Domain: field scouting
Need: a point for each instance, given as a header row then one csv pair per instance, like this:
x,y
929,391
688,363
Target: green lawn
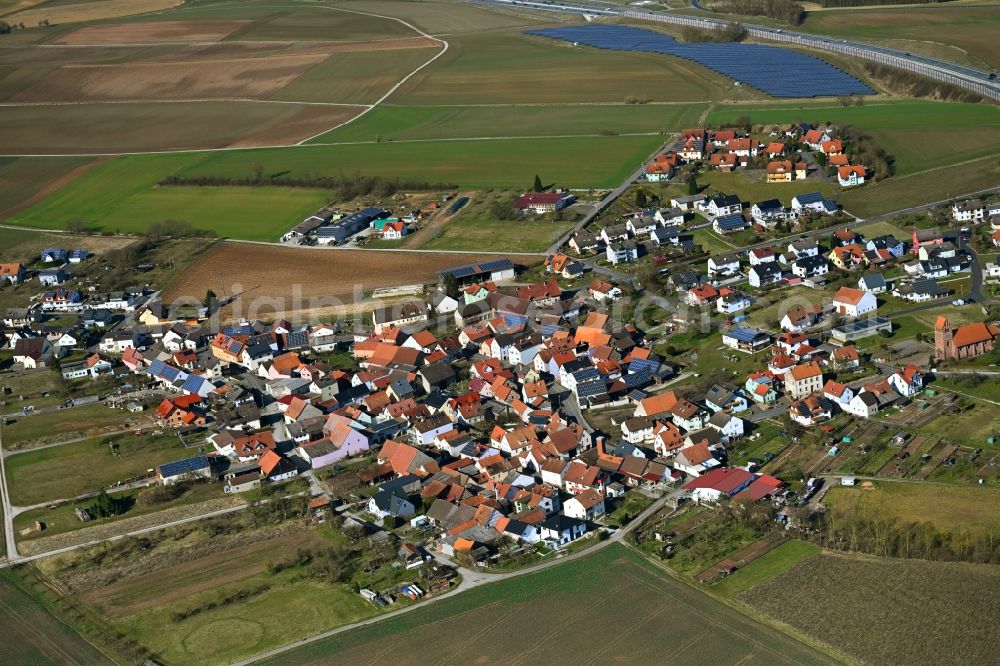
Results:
x,y
750,186
920,134
74,469
63,424
474,228
772,563
948,507
448,122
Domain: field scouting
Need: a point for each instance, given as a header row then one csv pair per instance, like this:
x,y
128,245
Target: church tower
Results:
x,y
943,347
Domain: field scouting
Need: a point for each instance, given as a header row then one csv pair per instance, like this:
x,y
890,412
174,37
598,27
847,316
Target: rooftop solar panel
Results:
x,y
776,71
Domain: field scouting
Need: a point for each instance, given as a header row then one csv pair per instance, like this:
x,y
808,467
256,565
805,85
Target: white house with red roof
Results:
x,y
543,202
850,176
907,381
852,302
718,483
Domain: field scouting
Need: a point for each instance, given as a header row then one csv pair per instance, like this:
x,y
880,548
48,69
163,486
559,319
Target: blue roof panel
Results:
x,y
777,71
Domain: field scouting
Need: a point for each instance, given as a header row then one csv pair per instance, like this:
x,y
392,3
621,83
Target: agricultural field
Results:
x,y
646,616
510,67
507,163
947,507
474,227
68,470
922,188
766,567
965,34
121,195
58,12
400,123
86,128
888,610
445,17
41,638
921,135
359,77
26,181
307,283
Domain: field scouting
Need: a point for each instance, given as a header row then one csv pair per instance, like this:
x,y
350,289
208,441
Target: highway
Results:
x,y
976,80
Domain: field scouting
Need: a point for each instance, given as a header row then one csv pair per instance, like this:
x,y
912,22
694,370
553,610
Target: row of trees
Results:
x,y
343,187
731,32
915,85
864,3
783,10
861,531
862,149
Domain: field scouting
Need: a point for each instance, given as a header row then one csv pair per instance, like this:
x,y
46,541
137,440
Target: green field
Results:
x,y
452,122
767,566
69,470
921,135
963,34
578,162
96,128
645,615
121,195
947,507
319,24
354,77
510,67
926,187
443,17
889,611
62,424
22,178
33,635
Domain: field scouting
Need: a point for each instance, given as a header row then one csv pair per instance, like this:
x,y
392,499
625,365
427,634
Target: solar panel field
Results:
x,y
776,71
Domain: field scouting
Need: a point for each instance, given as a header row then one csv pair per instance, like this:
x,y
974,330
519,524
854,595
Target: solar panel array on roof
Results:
x,y
777,71
590,388
809,198
865,325
731,222
743,334
185,466
241,329
471,270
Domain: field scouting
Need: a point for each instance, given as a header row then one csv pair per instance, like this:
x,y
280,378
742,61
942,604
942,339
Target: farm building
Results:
x,y
490,271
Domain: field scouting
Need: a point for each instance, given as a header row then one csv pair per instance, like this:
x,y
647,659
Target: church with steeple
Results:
x,y
963,342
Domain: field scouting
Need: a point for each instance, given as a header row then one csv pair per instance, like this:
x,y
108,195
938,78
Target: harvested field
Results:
x,y
146,32
93,128
305,283
193,79
645,615
889,611
40,637
58,13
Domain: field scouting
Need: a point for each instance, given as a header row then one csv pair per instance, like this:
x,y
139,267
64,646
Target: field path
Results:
x,y
396,87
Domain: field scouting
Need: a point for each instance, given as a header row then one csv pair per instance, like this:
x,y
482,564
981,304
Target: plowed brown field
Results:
x,y
199,79
304,283
145,32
